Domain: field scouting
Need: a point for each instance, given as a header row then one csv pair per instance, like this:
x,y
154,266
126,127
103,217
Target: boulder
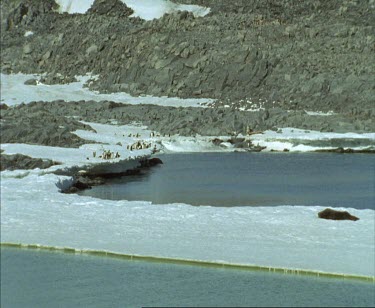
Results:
x,y
31,82
110,8
154,161
336,215
217,141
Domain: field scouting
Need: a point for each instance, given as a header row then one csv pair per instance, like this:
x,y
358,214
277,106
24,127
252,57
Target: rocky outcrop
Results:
x,y
35,124
336,215
110,8
29,11
23,162
289,54
60,119
340,150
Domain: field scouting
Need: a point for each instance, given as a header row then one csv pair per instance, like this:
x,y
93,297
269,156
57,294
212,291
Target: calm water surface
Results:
x,y
51,279
251,179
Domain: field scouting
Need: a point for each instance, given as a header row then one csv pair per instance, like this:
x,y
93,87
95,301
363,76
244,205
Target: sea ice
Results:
x,y
34,212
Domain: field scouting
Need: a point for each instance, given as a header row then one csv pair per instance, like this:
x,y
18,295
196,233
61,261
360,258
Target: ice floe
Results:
x,y
34,212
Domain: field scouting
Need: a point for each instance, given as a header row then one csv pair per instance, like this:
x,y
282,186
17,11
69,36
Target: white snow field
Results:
x,y
15,92
145,9
33,211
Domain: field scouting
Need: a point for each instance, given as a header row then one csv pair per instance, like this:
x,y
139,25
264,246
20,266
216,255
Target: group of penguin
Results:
x,y
138,145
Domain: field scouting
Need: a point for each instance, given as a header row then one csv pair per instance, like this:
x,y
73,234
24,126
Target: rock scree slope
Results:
x,y
315,55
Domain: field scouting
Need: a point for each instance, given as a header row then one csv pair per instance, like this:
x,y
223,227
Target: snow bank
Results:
x,y
15,92
297,140
113,138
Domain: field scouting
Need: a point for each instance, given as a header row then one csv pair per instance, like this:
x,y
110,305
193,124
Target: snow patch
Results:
x,y
320,113
145,9
296,140
15,92
28,33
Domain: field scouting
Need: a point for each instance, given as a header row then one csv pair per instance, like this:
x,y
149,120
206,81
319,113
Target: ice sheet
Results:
x,y
34,212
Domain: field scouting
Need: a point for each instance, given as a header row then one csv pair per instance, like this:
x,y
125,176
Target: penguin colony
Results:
x,y
138,145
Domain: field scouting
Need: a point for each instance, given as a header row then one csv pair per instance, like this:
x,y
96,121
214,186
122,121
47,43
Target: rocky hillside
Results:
x,y
312,55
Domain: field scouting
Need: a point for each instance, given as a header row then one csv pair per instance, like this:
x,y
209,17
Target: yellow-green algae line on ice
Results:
x,y
103,253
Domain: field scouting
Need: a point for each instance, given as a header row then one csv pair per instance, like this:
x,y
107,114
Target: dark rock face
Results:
x,y
34,123
336,215
291,54
18,161
28,11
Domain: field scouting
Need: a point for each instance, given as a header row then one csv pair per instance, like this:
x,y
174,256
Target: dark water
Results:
x,y
251,179
50,279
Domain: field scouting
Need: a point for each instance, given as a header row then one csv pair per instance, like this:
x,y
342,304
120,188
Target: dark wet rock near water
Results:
x,y
336,215
86,180
151,162
341,150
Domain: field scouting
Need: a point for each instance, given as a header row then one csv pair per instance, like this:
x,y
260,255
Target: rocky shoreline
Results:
x,y
268,65
86,179
22,123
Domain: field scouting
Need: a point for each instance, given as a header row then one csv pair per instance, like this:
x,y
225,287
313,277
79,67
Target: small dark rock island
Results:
x,y
336,215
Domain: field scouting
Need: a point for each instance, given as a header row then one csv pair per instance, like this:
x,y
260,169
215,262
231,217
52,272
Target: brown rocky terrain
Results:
x,y
284,56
